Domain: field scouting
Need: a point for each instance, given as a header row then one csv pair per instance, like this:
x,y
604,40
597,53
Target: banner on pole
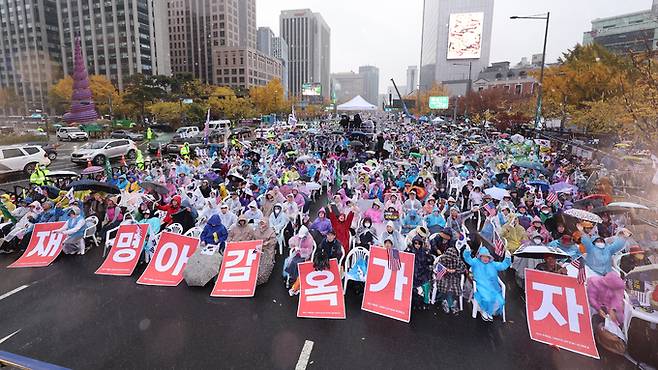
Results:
x,y
388,292
171,255
321,292
45,245
239,271
558,312
125,252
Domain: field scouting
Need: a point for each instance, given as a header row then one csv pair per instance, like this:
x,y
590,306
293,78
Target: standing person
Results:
x,y
599,253
149,134
485,273
341,226
38,176
185,151
422,273
449,286
266,265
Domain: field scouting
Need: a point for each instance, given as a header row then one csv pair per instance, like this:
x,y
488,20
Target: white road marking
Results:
x,y
9,336
13,292
304,356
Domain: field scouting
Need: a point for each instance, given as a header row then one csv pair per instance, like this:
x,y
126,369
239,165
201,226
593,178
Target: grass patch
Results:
x,y
18,139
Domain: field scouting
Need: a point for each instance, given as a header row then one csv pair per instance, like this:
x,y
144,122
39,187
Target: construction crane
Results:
x,y
404,106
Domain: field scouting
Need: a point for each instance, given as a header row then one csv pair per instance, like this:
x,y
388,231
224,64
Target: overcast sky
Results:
x,y
386,33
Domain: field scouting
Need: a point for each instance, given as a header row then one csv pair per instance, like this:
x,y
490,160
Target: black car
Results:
x,y
50,149
124,134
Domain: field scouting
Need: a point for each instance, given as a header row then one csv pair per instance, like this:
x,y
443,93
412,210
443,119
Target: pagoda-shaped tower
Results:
x,y
82,109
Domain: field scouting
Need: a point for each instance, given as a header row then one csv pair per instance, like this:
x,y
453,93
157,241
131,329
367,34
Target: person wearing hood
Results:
x,y
375,213
434,221
366,234
538,227
253,214
422,273
321,224
214,233
394,236
442,242
514,233
22,228
73,231
241,231
412,203
122,182
341,225
303,244
599,253
228,218
233,203
154,224
485,273
171,208
606,292
268,202
410,221
449,286
265,233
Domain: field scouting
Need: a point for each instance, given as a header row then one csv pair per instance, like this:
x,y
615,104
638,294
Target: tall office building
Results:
x,y
412,79
118,37
626,33
456,33
309,50
347,85
370,83
280,51
215,41
30,54
264,37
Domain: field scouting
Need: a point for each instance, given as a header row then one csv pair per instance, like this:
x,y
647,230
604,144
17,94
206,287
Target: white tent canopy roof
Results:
x,y
357,104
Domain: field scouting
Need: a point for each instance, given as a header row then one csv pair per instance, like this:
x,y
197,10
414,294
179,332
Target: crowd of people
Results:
x,y
461,199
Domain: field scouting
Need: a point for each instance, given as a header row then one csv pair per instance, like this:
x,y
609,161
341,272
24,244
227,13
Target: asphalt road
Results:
x,y
70,317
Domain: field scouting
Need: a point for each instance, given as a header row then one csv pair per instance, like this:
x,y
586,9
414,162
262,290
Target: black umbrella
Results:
x,y
501,176
356,144
155,187
94,186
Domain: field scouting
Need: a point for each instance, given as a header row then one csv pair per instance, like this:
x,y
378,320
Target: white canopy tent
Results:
x,y
356,104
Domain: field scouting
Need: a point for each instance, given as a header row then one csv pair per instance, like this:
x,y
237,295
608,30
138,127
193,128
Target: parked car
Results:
x,y
104,149
50,149
187,131
177,143
71,134
160,139
125,134
22,158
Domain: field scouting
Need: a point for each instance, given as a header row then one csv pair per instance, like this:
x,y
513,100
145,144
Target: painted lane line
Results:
x,y
8,294
304,356
9,336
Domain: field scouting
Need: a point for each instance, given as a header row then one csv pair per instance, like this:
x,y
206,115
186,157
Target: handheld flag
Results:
x,y
206,128
439,271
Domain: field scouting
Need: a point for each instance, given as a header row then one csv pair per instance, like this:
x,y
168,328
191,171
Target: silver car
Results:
x,y
101,150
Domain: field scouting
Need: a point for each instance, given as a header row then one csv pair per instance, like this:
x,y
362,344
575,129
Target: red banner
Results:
x,y
558,312
171,255
44,247
125,252
388,292
321,295
239,271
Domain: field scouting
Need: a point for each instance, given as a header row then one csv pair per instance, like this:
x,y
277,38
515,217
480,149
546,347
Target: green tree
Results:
x,y
143,90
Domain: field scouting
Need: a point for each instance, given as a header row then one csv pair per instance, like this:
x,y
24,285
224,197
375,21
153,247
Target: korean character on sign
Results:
x,y
321,288
235,258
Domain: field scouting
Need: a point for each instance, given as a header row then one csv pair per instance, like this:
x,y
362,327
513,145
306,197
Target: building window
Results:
x,y
517,89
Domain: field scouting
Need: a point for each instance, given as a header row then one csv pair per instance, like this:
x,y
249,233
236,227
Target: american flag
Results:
x,y
490,208
439,271
551,198
69,196
578,263
499,245
394,259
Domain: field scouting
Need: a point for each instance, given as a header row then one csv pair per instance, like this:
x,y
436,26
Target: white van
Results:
x,y
187,131
219,125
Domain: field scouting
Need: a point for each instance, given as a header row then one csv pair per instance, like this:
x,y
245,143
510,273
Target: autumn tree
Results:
x,y
143,90
224,103
102,89
269,98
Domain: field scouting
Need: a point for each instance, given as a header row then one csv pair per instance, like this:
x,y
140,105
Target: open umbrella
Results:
x,y
235,177
583,215
604,198
155,187
496,193
472,163
564,187
356,144
202,266
644,273
91,170
627,205
539,251
531,165
94,186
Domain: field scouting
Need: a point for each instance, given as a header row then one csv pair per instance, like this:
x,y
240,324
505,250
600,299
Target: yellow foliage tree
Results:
x,y
269,98
224,102
166,112
102,89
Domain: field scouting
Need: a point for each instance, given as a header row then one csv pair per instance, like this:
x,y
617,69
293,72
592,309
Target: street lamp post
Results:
x,y
546,17
469,86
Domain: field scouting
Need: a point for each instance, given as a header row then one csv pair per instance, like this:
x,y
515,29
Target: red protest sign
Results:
x,y
239,271
44,247
125,252
388,292
321,292
171,255
558,312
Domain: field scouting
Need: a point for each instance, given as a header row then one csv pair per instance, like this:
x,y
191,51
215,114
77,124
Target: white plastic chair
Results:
x,y
90,232
109,240
175,228
435,288
194,232
161,214
350,260
476,306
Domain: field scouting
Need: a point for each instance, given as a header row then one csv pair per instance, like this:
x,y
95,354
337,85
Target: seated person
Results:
x,y
550,265
635,258
328,249
214,233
